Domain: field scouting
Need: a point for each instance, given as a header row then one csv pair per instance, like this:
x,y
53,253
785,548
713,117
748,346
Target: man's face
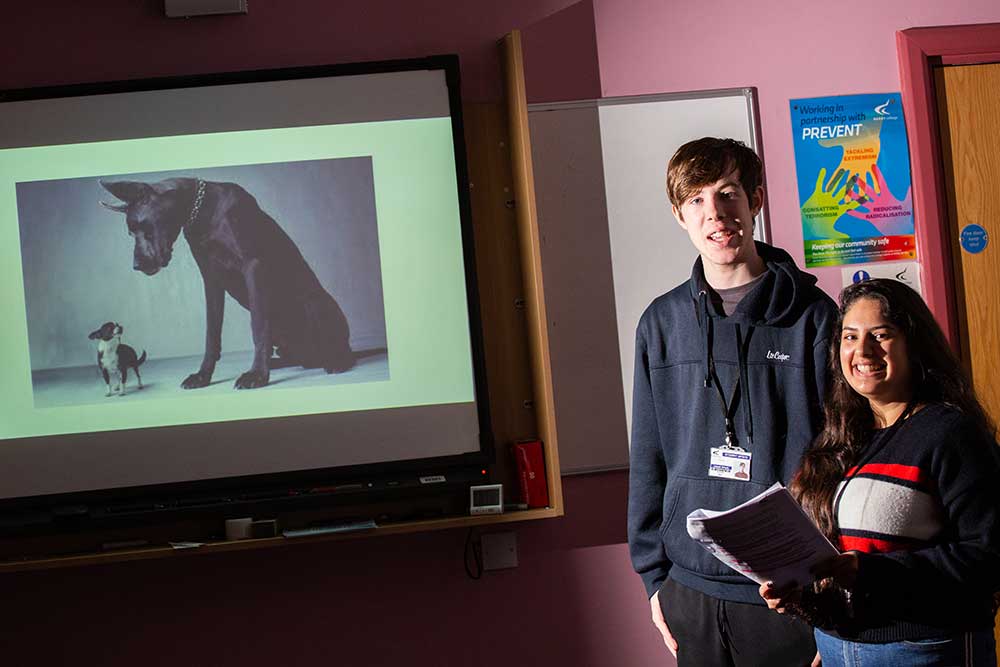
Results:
x,y
719,220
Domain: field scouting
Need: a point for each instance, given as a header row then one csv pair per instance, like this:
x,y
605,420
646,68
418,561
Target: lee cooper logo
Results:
x,y
777,354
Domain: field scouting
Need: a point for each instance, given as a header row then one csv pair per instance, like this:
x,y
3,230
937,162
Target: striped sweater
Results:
x,y
924,511
889,507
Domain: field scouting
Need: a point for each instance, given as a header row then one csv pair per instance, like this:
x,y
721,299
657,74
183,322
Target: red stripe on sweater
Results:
x,y
870,545
908,473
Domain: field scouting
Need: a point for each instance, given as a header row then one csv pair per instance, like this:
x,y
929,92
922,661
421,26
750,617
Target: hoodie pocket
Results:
x,y
683,496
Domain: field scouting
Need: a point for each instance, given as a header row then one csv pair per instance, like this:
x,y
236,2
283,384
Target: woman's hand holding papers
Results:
x,y
841,572
842,569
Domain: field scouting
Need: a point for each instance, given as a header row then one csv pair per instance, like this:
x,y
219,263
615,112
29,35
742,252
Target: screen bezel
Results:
x,y
216,491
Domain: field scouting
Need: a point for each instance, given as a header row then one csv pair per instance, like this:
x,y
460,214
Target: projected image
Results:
x,y
202,281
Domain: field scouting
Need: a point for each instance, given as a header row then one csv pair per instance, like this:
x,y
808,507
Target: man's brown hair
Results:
x,y
704,161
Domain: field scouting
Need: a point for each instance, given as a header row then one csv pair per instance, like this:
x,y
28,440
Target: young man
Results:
x,y
729,367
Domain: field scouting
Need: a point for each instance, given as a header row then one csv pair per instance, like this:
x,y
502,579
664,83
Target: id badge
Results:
x,y
730,463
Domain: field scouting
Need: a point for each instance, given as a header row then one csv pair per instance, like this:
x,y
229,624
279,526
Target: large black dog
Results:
x,y
241,250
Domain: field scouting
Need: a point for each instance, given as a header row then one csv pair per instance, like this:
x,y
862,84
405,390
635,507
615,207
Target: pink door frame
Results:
x,y
918,50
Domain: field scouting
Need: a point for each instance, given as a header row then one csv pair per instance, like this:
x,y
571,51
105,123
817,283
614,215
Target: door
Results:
x,y
969,123
969,120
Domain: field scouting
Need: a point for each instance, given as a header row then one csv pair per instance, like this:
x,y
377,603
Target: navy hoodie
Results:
x,y
775,344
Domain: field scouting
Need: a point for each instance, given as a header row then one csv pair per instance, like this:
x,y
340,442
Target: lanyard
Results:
x,y
876,446
728,408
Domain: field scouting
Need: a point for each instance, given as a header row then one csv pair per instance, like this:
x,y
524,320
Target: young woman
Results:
x,y
905,480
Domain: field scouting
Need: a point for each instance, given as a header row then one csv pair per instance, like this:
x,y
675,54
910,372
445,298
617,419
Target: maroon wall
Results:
x,y
50,43
377,601
391,600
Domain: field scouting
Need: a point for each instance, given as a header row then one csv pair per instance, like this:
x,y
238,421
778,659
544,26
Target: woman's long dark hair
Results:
x,y
937,376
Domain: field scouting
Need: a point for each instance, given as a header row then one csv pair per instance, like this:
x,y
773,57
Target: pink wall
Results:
x,y
560,56
787,50
406,599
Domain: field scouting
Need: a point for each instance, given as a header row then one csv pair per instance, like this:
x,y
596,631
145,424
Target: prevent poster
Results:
x,y
853,170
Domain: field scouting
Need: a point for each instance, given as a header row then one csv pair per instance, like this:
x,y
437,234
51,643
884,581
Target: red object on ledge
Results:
x,y
531,473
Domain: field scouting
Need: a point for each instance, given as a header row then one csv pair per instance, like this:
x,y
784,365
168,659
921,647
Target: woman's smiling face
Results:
x,y
873,355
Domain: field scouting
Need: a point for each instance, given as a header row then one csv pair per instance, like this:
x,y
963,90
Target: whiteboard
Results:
x,y
610,244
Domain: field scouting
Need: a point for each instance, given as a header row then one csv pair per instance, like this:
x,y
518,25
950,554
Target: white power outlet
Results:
x,y
499,550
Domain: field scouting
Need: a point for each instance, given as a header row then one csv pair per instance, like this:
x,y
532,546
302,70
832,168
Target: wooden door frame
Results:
x,y
918,50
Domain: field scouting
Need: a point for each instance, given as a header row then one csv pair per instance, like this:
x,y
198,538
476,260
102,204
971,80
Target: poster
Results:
x,y
853,171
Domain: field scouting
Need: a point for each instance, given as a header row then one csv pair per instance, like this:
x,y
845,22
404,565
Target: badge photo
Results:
x,y
730,463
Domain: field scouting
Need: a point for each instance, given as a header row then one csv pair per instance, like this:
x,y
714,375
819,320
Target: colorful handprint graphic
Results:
x,y
890,216
829,201
861,149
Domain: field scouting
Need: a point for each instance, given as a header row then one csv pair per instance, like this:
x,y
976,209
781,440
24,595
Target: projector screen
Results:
x,y
281,258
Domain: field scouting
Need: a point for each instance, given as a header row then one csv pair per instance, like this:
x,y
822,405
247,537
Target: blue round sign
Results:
x,y
860,275
973,239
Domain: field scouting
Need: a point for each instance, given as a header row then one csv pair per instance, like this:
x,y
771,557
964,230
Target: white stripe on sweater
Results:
x,y
880,506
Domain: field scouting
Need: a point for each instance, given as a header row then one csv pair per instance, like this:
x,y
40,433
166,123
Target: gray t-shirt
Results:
x,y
730,297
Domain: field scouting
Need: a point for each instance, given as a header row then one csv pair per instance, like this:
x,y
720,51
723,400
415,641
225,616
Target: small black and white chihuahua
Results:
x,y
114,358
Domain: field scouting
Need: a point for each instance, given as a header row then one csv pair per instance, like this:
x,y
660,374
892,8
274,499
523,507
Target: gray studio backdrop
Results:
x,y
77,260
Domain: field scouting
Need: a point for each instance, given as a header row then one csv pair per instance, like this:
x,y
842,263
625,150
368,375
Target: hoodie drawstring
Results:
x,y
742,346
706,328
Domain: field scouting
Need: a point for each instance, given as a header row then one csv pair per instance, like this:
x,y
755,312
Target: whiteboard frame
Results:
x,y
762,229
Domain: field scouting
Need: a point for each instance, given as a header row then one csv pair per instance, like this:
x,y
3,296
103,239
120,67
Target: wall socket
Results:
x,y
499,550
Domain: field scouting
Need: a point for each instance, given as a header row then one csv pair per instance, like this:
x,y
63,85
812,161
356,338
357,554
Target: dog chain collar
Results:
x,y
198,199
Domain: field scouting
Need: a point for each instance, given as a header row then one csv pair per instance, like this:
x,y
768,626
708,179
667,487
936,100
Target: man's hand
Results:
x,y
661,625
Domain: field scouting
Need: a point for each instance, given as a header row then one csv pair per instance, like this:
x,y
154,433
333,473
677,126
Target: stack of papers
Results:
x,y
767,538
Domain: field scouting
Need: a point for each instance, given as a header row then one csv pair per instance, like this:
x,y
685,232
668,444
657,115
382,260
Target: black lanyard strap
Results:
x,y
740,385
728,408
